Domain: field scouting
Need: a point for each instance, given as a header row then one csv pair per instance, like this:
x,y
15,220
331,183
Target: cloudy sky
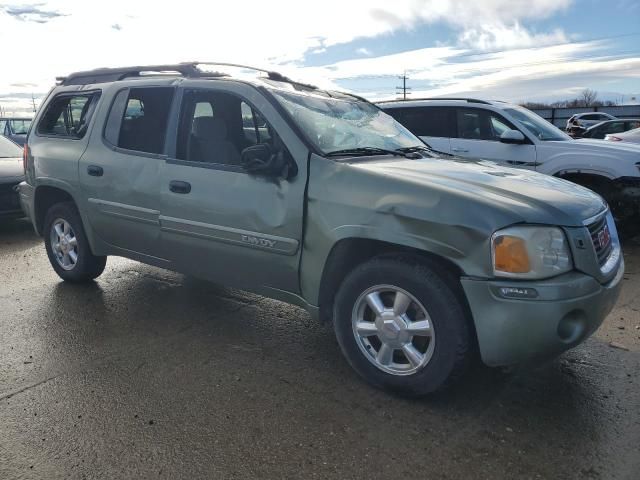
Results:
x,y
504,49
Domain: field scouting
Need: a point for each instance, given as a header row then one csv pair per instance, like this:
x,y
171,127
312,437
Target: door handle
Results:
x,y
460,150
95,171
178,186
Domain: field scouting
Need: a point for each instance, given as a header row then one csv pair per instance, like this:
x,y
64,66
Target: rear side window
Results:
x,y
68,115
138,119
427,121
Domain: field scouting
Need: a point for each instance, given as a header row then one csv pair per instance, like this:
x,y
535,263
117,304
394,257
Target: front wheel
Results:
x,y
67,247
401,326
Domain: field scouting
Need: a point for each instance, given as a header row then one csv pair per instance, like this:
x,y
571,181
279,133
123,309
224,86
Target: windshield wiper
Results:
x,y
416,148
363,151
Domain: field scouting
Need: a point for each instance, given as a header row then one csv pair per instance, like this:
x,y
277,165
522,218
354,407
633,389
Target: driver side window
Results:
x,y
477,124
216,127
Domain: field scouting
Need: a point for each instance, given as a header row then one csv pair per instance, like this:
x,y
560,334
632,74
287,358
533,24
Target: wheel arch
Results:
x,y
348,253
599,182
44,197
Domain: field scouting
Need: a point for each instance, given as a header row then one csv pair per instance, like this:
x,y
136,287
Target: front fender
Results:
x,y
606,163
316,254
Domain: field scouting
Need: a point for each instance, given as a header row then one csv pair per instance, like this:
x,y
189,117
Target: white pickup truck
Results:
x,y
514,136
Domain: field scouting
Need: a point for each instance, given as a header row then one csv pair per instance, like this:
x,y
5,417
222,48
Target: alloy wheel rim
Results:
x,y
64,244
393,330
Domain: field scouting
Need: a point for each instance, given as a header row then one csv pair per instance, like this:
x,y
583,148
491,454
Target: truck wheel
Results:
x,y
401,326
67,246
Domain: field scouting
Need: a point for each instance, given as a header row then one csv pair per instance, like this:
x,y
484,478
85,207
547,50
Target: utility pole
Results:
x,y
403,90
33,102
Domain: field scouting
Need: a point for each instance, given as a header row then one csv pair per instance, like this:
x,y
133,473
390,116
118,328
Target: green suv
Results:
x,y
320,199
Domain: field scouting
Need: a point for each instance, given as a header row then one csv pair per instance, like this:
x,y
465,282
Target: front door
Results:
x,y
478,136
219,222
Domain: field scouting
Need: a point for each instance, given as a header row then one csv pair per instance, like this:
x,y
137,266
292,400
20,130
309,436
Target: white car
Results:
x,y
586,120
517,137
630,136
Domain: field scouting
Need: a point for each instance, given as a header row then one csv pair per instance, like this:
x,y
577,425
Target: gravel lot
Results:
x,y
147,373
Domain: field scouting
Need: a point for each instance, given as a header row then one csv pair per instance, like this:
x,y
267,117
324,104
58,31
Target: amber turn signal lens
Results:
x,y
511,255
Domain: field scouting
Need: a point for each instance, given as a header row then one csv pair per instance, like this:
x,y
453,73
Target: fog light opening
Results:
x,y
572,326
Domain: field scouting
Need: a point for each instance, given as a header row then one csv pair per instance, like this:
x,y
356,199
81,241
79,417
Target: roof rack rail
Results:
x,y
100,75
271,75
186,69
470,100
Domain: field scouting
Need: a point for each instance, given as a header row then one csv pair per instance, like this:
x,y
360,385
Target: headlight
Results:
x,y
530,252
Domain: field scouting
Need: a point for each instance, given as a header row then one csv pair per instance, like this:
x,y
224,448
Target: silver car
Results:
x,y
630,136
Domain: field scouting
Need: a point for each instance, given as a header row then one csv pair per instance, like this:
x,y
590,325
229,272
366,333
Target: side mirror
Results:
x,y
512,137
263,159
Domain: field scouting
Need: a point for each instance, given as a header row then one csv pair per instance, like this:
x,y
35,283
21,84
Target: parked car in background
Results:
x,y
11,174
602,129
586,120
324,201
630,136
514,136
15,129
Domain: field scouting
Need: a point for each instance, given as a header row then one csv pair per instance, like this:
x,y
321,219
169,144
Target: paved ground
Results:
x,y
147,373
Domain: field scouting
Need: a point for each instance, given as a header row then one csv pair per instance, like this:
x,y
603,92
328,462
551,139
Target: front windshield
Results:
x,y
8,149
334,124
20,127
536,125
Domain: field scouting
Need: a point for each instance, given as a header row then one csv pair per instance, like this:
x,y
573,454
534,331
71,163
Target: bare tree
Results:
x,y
588,97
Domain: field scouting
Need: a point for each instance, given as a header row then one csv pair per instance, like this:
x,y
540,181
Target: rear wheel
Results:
x,y
67,246
401,326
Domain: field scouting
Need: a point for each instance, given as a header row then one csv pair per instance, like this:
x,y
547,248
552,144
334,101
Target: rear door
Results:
x,y
434,125
120,173
218,221
478,136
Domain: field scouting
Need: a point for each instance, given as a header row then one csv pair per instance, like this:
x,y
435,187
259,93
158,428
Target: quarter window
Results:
x,y
68,115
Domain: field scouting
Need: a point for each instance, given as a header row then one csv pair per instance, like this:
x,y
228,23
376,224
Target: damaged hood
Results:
x,y
521,195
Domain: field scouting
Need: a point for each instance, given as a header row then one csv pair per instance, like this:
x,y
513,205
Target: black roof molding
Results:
x,y
186,69
469,100
101,75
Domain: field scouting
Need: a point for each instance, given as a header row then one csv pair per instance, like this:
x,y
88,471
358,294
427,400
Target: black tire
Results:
x,y
88,266
453,335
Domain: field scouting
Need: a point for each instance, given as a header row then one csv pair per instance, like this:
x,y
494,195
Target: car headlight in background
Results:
x,y
530,252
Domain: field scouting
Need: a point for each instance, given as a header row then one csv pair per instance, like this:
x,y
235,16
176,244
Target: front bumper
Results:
x,y
565,311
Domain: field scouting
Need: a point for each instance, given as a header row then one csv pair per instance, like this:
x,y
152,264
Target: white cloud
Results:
x,y
496,37
72,35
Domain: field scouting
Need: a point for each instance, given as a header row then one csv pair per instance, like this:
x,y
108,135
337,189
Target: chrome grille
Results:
x,y
601,239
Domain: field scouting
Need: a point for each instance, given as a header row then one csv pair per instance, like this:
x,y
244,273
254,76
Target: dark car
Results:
x,y
11,174
15,129
603,129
